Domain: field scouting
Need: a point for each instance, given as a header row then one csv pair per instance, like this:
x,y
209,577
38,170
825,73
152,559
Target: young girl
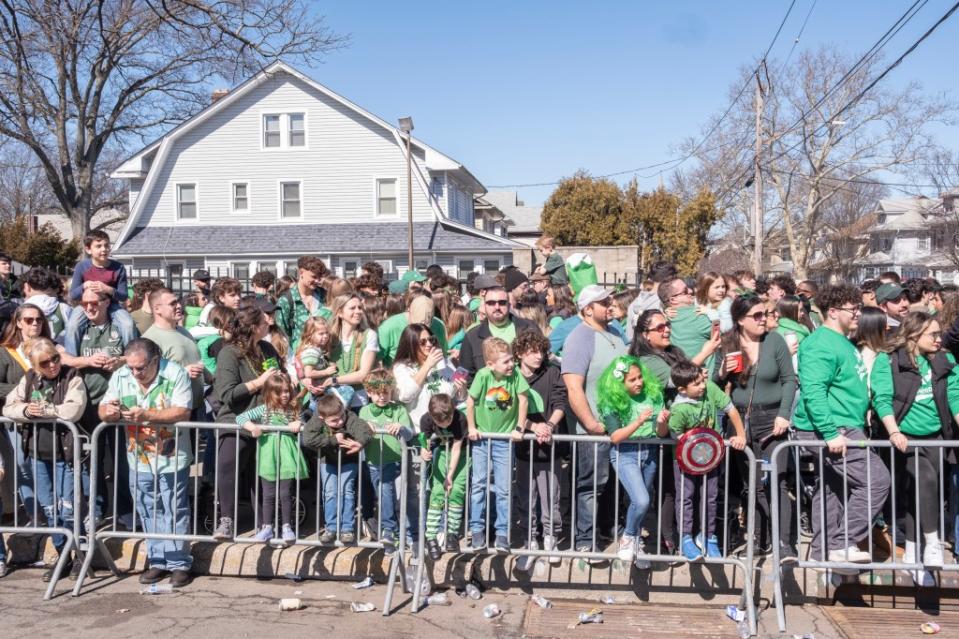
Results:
x,y
280,458
313,355
630,403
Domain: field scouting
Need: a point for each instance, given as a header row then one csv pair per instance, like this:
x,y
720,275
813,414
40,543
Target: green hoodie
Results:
x,y
690,331
922,418
787,325
832,377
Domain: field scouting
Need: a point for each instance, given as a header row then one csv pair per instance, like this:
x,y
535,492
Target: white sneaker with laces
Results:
x,y
627,548
851,554
549,543
932,555
922,578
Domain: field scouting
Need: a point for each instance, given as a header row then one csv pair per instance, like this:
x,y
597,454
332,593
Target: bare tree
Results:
x,y
79,78
943,172
820,137
24,190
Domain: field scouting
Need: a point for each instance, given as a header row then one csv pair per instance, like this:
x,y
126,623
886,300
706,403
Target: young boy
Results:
x,y
554,266
443,429
497,403
98,273
384,453
338,436
697,403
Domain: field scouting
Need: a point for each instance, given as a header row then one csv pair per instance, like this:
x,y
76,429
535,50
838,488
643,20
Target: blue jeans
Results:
x,y
384,487
635,466
37,493
169,503
501,465
339,486
77,325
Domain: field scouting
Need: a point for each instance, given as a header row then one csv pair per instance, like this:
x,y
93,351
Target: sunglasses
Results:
x,y
429,341
497,302
659,328
43,363
605,302
760,316
31,321
90,304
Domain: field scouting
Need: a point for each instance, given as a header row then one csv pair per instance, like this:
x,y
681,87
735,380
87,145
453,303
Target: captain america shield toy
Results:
x,y
699,451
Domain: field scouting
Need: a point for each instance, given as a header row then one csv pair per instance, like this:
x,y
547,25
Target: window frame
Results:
x,y
263,116
249,270
176,201
279,195
289,130
377,198
285,131
233,209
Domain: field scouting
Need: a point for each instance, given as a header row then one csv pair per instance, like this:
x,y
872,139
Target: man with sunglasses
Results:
x,y
498,323
832,408
692,330
588,350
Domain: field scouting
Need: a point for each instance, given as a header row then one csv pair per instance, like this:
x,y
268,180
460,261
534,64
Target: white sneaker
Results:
x,y
627,548
526,562
922,578
640,563
851,554
265,533
932,555
549,543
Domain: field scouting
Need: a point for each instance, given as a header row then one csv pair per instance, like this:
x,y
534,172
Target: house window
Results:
x,y
297,129
271,131
290,199
351,267
241,198
490,266
386,197
186,201
885,244
922,243
467,266
241,271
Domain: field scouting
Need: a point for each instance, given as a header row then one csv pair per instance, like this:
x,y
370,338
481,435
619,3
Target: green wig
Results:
x,y
611,391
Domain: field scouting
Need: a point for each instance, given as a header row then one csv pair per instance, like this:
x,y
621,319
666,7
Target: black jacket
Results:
x,y
229,383
319,437
548,383
471,352
906,382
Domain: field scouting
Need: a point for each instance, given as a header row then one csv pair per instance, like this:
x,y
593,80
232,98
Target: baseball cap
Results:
x,y
538,277
265,305
201,274
590,294
397,287
485,281
412,276
888,292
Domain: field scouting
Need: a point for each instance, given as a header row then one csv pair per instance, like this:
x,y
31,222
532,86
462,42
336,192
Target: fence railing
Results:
x,y
48,484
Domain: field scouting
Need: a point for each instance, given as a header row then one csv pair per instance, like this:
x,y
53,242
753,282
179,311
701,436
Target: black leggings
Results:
x,y
920,470
269,487
230,451
764,446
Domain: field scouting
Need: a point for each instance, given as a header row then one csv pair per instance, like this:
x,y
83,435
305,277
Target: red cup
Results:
x,y
736,358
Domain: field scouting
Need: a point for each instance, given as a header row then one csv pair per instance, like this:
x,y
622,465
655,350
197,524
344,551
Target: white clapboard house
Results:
x,y
281,167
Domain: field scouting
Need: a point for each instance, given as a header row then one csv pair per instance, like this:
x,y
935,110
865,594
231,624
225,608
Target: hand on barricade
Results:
x,y
837,445
543,432
393,429
473,434
33,410
296,425
780,426
426,454
737,442
900,441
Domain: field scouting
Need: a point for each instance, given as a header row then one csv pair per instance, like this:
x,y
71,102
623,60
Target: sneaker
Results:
x,y
712,547
627,548
690,550
289,535
348,537
851,554
787,552
180,578
153,575
369,528
327,536
526,562
585,549
549,543
452,543
265,533
932,555
389,542
433,548
48,573
224,529
477,541
501,544
639,548
3,569
922,578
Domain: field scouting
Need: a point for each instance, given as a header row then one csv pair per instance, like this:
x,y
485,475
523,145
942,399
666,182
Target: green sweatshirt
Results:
x,y
385,449
922,417
690,331
832,377
787,326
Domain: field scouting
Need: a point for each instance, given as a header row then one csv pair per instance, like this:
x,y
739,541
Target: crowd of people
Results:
x,y
478,382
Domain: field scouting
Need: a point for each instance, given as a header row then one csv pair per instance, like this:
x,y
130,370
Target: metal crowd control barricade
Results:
x,y
788,460
663,451
25,473
200,527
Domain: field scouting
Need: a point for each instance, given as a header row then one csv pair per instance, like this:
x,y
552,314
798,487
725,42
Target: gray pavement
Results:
x,y
248,607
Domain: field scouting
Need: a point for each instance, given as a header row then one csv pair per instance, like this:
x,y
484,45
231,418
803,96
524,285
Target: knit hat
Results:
x,y
513,278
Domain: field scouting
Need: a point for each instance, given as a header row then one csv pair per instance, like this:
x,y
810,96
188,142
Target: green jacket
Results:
x,y
787,325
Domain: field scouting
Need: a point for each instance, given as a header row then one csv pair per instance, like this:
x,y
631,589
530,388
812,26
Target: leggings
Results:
x,y
920,470
269,487
232,451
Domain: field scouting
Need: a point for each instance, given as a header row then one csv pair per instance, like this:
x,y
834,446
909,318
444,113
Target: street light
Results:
x,y
406,126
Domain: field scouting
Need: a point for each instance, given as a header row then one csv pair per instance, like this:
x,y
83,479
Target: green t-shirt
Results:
x,y
389,446
392,328
496,400
104,339
687,413
647,429
506,333
178,346
922,418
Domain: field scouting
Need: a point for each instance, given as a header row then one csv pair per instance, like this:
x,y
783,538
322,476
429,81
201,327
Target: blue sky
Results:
x,y
528,92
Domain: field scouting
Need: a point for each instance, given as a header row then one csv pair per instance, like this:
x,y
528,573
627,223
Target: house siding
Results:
x,y
344,156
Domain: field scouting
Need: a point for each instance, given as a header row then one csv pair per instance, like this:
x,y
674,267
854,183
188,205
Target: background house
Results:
x,y
280,167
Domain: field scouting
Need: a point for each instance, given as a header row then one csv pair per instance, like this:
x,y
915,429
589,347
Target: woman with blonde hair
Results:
x,y
354,346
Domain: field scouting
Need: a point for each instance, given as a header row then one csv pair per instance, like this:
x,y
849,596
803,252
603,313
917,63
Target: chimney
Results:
x,y
218,94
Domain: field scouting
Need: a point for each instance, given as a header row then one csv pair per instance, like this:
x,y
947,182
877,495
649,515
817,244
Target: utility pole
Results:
x,y
406,126
758,185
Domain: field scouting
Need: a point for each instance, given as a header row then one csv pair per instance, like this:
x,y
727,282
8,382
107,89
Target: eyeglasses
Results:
x,y
53,361
31,321
659,328
90,304
604,302
142,369
429,341
497,302
759,317
856,310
